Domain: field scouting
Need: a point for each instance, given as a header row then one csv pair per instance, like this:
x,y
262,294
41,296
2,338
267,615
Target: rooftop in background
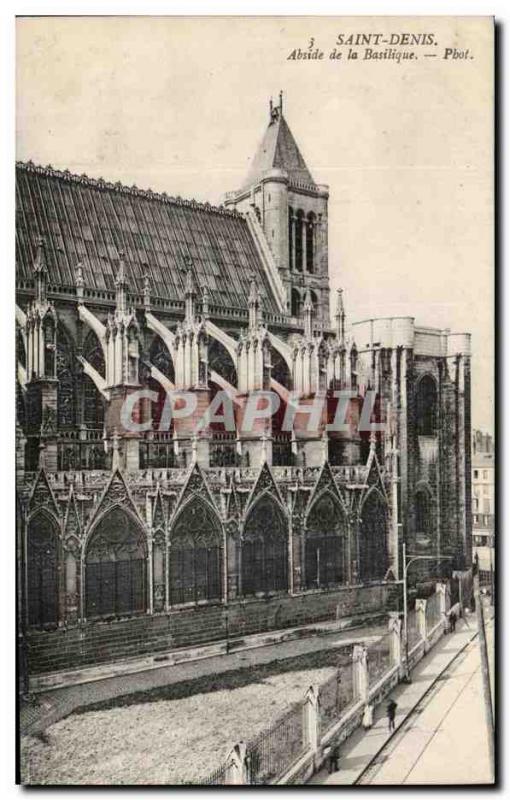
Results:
x,y
482,442
483,461
88,222
483,450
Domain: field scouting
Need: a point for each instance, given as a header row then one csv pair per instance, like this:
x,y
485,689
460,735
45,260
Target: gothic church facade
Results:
x,y
139,542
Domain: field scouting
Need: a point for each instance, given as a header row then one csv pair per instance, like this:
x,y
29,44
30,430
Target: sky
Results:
x,y
180,104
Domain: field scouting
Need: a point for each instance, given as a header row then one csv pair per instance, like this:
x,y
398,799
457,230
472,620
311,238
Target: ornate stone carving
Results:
x,y
72,523
265,482
49,422
42,495
115,494
196,485
196,526
72,545
158,516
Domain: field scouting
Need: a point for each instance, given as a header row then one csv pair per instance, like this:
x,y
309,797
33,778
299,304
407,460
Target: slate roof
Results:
x,y
89,221
278,150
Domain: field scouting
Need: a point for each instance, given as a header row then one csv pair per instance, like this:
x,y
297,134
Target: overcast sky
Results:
x,y
180,104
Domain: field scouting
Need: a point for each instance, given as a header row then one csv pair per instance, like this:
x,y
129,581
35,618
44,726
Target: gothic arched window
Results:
x,y
296,303
373,555
315,302
291,238
310,242
264,549
20,406
221,362
299,223
323,367
426,407
115,573
93,408
133,355
282,439
49,345
66,388
353,358
20,349
159,357
196,555
424,513
325,544
42,571
158,569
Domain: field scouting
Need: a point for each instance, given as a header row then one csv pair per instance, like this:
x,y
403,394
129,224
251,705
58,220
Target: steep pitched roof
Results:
x,y
89,221
278,150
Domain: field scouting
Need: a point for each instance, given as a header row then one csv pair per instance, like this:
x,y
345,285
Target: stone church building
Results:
x,y
140,541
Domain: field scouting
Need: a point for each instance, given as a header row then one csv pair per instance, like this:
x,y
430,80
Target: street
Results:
x,y
444,739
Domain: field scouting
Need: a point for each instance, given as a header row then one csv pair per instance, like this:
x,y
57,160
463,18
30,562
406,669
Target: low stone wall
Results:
x,y
103,642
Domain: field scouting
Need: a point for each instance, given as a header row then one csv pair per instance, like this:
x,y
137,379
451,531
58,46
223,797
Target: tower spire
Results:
x,y
121,286
40,271
340,317
146,287
254,316
190,292
307,313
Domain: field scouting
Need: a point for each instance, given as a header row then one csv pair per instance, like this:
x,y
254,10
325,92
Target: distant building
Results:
x,y
483,483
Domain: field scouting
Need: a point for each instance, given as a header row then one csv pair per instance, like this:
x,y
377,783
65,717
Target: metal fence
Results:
x,y
277,748
454,591
433,611
413,631
274,751
220,776
335,695
379,658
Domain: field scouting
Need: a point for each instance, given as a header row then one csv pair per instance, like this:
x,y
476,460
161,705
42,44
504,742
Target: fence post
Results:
x,y
441,591
238,768
360,672
421,619
312,723
395,630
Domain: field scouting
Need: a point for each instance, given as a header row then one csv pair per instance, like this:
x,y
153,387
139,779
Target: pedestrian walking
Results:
x,y
333,759
453,621
390,713
368,716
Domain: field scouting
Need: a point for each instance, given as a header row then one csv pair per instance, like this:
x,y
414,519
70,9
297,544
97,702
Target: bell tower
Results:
x,y
292,211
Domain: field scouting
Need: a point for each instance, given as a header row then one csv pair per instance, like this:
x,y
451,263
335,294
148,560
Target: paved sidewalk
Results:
x,y
58,703
445,740
362,746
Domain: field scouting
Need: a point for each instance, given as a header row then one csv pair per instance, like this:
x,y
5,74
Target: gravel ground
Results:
x,y
168,741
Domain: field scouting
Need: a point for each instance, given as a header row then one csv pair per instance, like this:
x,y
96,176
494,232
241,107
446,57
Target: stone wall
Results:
x,y
103,642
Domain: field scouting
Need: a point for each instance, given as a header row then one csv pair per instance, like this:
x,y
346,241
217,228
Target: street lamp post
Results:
x,y
405,566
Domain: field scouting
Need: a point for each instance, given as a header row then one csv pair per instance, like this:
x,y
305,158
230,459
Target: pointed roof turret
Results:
x,y
254,305
190,291
278,150
40,258
308,314
40,270
121,286
340,317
